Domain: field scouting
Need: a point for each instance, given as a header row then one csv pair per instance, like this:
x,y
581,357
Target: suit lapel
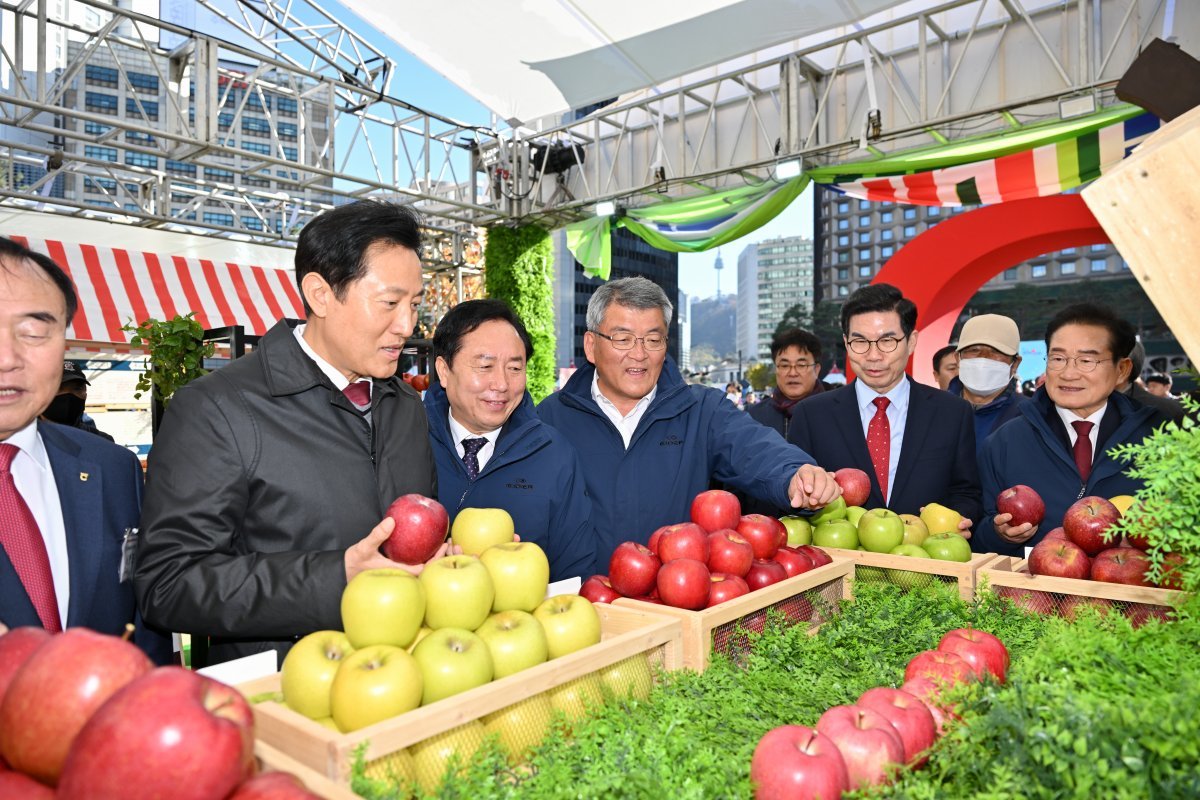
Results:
x,y
80,489
916,428
849,424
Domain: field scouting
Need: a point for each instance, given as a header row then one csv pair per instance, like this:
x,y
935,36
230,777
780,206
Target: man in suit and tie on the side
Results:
x,y
66,495
916,442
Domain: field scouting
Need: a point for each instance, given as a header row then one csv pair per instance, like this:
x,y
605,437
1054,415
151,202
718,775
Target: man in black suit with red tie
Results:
x,y
916,443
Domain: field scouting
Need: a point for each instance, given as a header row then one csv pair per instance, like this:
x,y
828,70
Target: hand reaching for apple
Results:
x,y
1013,533
813,487
364,555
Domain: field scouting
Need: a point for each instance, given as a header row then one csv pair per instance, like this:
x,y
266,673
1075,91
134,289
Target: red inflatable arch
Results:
x,y
941,269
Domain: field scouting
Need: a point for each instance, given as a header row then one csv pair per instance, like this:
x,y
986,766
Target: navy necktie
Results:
x,y
471,448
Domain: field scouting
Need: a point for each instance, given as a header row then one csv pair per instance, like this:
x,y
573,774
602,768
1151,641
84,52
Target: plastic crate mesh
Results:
x,y
811,608
1069,606
522,725
432,757
905,579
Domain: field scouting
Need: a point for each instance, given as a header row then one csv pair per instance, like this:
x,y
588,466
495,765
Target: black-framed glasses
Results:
x,y
626,341
886,344
1058,362
799,366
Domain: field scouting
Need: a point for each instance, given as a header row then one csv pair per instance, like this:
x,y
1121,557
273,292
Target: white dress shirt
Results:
x,y
1094,434
458,433
35,483
897,415
339,380
627,423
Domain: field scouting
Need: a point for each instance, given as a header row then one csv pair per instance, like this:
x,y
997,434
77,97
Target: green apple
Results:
x,y
522,725
915,531
906,578
421,634
328,723
947,547
452,660
520,572
869,574
880,529
308,669
912,550
383,606
575,697
458,592
799,530
835,510
629,677
854,514
396,768
516,641
939,519
571,623
432,757
477,529
836,533
374,684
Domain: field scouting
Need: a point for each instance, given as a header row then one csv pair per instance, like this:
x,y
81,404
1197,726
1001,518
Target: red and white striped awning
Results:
x,y
116,286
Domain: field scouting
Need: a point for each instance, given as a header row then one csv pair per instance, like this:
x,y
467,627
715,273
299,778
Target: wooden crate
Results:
x,y
625,633
911,570
272,760
808,598
1008,576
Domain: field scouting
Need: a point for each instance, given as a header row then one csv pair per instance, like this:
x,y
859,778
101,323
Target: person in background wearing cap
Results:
x,y
945,366
67,406
1159,385
1169,407
988,350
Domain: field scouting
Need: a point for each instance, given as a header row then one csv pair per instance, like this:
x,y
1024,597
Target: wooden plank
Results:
x,y
272,760
1010,571
964,573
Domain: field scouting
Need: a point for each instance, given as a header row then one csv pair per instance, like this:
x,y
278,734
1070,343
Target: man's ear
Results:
x,y
589,346
1124,367
317,293
443,369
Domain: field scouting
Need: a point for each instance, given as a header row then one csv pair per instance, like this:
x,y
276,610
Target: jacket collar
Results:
x,y
521,423
579,386
956,388
289,370
1041,413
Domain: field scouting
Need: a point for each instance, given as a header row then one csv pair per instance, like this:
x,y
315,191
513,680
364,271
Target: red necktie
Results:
x,y
1083,448
879,443
359,393
23,542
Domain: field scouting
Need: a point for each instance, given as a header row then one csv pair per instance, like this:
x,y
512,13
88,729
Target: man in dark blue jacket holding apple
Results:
x,y
649,442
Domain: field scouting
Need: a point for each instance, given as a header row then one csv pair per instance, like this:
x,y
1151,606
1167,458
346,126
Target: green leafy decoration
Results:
x,y
520,270
177,352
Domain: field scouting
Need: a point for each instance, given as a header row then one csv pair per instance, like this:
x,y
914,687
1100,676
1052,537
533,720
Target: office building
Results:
x,y
773,276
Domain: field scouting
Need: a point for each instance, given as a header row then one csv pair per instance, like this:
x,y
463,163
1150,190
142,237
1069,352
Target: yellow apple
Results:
x,y
395,768
522,725
328,723
458,592
1122,502
575,697
516,641
477,529
630,677
571,623
520,572
373,684
452,660
308,670
432,756
383,606
939,519
421,634
915,530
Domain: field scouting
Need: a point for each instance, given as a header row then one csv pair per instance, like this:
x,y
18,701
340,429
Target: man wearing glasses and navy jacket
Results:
x,y
915,442
649,442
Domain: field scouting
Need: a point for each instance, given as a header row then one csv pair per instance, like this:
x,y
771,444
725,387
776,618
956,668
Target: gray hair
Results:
x,y
636,292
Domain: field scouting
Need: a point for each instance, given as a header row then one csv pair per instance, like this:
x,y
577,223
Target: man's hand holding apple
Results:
x,y
813,487
1013,533
364,554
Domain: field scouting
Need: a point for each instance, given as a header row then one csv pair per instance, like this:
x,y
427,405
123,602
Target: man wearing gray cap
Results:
x,y
67,406
988,350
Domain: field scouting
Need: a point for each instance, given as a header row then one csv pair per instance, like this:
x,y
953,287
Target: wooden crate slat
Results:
x,y
964,572
271,759
1010,571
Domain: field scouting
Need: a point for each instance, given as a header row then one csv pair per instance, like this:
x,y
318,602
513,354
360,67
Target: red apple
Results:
x,y
795,762
633,569
855,484
869,744
730,553
53,695
944,669
1171,577
1141,613
1086,521
1126,565
715,510
654,537
15,786
1062,559
794,562
763,573
16,647
983,651
1072,605
819,557
684,583
172,733
724,587
928,693
1137,540
272,786
1057,533
1025,505
421,527
765,534
1029,599
687,540
598,589
912,719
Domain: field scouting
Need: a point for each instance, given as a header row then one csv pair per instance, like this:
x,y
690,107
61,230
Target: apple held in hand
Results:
x,y
868,743
1025,505
373,684
836,533
687,540
915,531
794,762
520,575
382,606
1087,520
1126,565
477,529
855,484
880,530
570,622
170,733
452,660
57,690
633,569
308,671
716,510
730,553
944,669
765,534
724,587
1059,558
799,530
598,589
984,652
459,592
912,719
763,573
16,646
516,641
947,547
421,526
684,583
940,519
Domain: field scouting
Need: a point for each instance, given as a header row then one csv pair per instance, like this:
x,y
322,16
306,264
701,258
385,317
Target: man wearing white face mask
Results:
x,y
987,364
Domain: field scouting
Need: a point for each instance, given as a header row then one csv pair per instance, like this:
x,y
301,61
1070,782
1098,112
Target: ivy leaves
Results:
x,y
177,352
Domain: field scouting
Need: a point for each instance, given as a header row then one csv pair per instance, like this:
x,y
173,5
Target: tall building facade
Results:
x,y
773,276
747,300
683,310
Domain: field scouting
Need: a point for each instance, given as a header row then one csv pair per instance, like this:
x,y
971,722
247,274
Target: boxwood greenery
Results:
x,y
519,270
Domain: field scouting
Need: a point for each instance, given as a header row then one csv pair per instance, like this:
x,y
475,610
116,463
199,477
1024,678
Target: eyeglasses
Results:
x,y
626,341
887,344
801,366
1057,363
